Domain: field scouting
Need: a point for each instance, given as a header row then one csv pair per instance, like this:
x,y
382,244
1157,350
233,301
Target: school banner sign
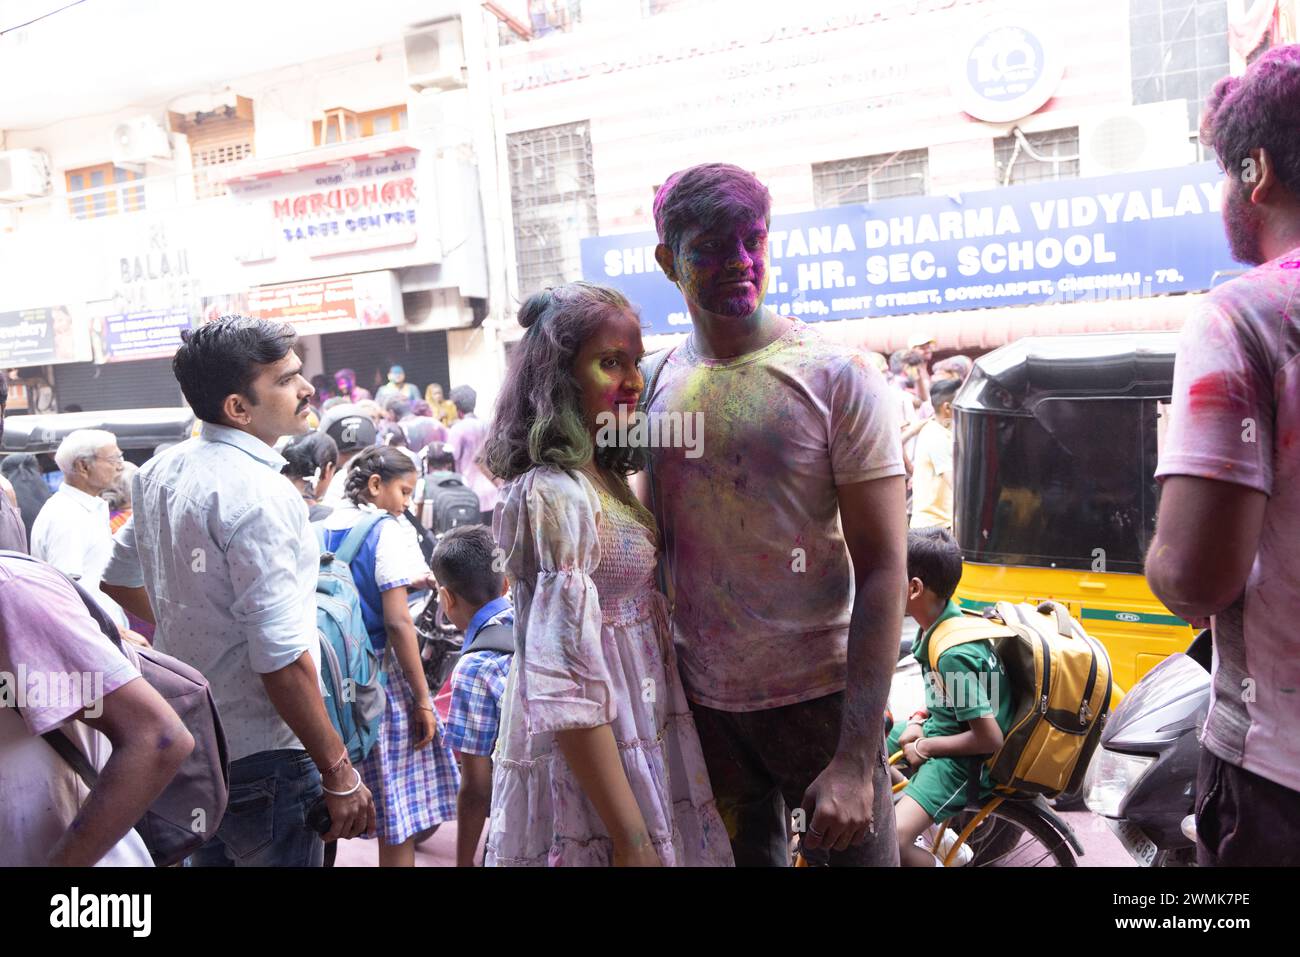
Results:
x,y
1108,237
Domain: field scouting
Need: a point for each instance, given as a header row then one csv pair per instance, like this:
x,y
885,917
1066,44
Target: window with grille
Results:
x,y
217,154
1037,157
546,16
1178,50
102,190
553,196
868,179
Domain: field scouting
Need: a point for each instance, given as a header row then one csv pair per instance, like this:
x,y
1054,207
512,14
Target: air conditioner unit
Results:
x,y
24,174
141,140
435,58
1150,136
435,309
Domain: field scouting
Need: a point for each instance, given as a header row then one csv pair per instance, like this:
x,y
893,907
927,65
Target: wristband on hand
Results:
x,y
325,772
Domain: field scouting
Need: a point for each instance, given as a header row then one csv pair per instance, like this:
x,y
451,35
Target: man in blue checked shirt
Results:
x,y
472,592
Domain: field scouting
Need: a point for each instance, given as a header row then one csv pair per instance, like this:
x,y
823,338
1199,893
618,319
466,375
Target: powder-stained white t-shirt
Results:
x,y
52,648
762,577
1236,418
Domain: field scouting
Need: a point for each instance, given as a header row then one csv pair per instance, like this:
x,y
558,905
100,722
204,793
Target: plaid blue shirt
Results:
x,y
477,687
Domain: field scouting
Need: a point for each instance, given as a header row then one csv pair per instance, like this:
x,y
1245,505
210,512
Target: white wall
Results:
x,y
475,358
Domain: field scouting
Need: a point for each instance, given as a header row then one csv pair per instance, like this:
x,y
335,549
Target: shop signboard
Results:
x,y
335,304
46,335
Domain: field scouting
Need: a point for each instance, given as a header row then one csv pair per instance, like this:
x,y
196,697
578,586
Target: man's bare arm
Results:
x,y
1207,535
294,690
149,743
841,800
874,517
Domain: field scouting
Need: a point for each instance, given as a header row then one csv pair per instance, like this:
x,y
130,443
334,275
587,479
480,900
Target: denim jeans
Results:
x,y
266,818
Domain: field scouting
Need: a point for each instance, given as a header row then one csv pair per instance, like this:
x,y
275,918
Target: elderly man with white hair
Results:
x,y
72,531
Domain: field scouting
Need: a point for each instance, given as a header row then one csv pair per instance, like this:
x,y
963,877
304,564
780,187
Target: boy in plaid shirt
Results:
x,y
472,593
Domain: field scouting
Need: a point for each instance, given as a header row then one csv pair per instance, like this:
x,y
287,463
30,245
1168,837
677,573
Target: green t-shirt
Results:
x,y
970,683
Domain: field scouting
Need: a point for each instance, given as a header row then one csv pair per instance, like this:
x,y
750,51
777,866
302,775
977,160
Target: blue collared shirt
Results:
x,y
220,541
478,684
491,612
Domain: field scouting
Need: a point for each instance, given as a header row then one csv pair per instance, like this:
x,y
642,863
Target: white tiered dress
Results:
x,y
594,648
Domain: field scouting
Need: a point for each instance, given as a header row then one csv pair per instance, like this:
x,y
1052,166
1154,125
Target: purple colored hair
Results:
x,y
1259,110
709,196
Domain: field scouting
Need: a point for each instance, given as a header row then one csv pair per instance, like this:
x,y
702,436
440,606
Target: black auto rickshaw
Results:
x,y
139,432
1054,489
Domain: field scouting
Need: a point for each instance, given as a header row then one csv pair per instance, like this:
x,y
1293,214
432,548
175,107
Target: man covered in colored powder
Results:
x,y
396,388
1229,521
785,539
345,380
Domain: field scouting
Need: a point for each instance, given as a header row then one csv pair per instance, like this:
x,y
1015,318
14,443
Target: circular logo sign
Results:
x,y
1127,616
1007,72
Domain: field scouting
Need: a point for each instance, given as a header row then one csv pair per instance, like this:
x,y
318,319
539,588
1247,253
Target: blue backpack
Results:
x,y
354,690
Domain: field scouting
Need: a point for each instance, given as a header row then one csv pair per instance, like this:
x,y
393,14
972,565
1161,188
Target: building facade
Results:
x,y
903,107
348,192
397,186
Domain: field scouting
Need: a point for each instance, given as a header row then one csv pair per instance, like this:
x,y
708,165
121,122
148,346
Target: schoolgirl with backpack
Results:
x,y
409,767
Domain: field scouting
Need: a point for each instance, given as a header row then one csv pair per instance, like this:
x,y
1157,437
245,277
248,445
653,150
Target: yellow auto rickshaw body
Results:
x,y
1117,609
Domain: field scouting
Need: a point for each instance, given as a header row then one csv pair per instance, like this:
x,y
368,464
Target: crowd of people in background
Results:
x,y
925,390
237,506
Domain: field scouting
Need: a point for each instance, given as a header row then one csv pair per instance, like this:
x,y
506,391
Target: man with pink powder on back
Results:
x,y
785,537
1229,520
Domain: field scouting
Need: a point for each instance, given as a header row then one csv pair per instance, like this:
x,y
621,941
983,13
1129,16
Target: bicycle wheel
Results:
x,y
1015,835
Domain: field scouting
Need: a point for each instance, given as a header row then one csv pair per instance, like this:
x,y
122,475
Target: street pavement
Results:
x,y
437,851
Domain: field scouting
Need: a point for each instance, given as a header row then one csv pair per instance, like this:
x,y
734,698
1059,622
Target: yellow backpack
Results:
x,y
1062,681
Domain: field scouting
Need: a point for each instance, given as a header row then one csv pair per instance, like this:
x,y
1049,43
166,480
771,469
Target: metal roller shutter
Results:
x,y
146,384
369,352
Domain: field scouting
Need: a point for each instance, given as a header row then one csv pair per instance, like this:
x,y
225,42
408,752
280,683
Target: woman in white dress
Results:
x,y
597,759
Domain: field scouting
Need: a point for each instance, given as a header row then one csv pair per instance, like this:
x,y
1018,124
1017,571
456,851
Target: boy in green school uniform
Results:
x,y
968,698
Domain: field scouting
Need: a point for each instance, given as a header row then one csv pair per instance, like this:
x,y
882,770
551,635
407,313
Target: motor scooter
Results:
x,y
1142,779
